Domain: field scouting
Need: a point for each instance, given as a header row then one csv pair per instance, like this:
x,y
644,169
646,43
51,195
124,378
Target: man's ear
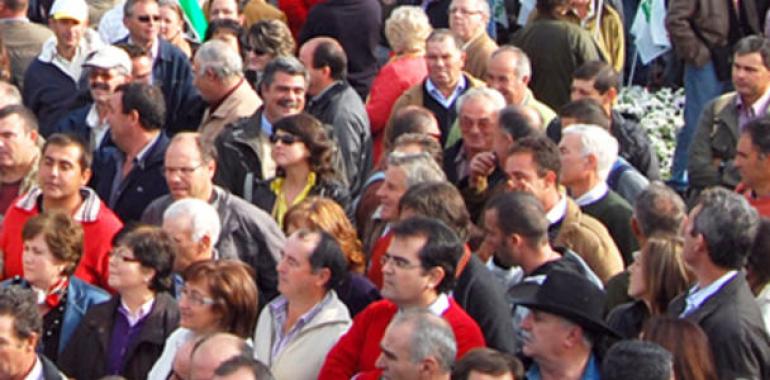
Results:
x,y
550,177
324,276
611,96
435,276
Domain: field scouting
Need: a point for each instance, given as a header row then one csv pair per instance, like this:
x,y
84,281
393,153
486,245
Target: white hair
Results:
x,y
204,219
485,93
523,66
483,5
220,58
596,141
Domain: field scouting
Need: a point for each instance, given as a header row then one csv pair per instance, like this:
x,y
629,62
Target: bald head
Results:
x,y
326,61
181,367
211,351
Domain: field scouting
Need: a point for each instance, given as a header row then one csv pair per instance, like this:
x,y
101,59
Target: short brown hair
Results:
x,y
63,236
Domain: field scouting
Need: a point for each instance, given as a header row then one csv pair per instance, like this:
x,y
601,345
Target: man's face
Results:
x,y
186,174
205,83
497,240
68,32
295,275
144,22
752,164
223,9
693,241
285,96
17,145
478,124
188,251
120,123
141,69
393,188
466,19
750,76
544,335
242,373
521,171
575,165
395,360
60,175
404,282
317,76
584,89
476,375
103,82
501,75
16,354
445,63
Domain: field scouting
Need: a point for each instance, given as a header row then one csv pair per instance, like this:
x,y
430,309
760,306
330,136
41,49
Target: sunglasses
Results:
x,y
147,18
284,139
257,50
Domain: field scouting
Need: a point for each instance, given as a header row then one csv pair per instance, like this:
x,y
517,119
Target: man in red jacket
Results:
x,y
62,176
418,272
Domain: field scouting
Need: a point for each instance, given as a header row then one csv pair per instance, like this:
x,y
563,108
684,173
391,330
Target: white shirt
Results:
x,y
593,195
436,94
72,67
439,306
37,370
98,128
556,213
697,295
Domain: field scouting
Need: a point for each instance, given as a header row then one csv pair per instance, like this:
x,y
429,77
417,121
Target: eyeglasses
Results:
x,y
184,170
121,253
196,298
284,139
463,11
147,18
398,262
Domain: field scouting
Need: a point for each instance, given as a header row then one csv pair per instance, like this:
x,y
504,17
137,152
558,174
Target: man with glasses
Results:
x,y
468,20
419,272
171,69
247,233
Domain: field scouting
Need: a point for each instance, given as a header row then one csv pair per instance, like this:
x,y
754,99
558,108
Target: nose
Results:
x,y
526,324
380,363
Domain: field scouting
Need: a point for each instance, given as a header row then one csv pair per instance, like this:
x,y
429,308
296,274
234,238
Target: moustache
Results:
x,y
100,86
288,103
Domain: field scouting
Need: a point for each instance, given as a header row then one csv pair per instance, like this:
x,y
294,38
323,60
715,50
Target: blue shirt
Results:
x,y
591,371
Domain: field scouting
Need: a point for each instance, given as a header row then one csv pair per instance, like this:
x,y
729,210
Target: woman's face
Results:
x,y
41,268
637,285
257,57
288,150
170,23
196,308
126,273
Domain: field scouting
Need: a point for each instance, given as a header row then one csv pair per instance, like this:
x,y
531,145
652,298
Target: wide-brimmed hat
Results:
x,y
569,295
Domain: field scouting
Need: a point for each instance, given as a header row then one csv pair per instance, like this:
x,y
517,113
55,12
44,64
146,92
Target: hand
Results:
x,y
482,165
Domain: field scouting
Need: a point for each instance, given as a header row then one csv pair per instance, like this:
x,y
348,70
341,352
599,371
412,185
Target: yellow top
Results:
x,y
281,206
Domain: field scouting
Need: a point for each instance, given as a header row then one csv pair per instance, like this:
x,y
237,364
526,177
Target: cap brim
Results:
x,y
66,16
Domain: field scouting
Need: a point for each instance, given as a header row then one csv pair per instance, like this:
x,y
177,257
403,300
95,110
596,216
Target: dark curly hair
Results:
x,y
316,138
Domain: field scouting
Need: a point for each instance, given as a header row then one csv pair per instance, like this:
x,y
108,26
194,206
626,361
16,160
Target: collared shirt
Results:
x,y
323,92
153,53
556,213
440,305
141,312
266,125
37,370
591,371
88,210
593,195
98,127
757,110
697,296
436,94
279,308
119,178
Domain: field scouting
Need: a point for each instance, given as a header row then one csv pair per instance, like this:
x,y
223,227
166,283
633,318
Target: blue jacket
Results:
x,y
142,185
48,93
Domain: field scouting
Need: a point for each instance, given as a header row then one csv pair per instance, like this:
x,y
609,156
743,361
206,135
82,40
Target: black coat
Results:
x,y
733,323
86,355
264,197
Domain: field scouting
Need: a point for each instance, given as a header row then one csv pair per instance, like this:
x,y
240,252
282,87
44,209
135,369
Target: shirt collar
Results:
x,y
37,370
266,125
593,195
436,94
325,90
556,213
757,108
591,371
142,155
440,305
697,296
134,318
88,210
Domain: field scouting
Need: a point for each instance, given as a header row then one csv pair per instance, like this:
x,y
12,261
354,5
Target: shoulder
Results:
x,y
85,293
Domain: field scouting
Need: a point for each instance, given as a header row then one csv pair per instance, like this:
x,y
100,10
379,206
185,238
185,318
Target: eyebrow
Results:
x,y
387,353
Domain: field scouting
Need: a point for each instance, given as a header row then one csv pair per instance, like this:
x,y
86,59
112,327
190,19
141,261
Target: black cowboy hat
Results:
x,y
568,295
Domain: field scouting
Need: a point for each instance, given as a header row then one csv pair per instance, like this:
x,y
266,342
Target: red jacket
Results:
x,y
357,351
99,226
762,204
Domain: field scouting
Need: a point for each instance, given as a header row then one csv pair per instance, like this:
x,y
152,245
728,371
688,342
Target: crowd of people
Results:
x,y
367,189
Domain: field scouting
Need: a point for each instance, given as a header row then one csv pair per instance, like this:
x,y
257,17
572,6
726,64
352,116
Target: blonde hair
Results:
x,y
407,28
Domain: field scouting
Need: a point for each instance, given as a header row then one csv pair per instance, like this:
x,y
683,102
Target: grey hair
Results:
x,y
659,209
483,4
596,141
431,336
9,93
284,64
523,65
417,167
204,219
220,58
728,224
490,94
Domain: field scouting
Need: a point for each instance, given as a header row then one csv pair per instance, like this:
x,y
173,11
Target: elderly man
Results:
x,y
247,233
718,234
587,154
509,72
65,168
751,160
533,165
419,270
213,350
710,161
637,360
22,39
307,319
244,149
417,345
478,113
19,153
106,69
445,83
9,94
52,79
218,72
468,20
335,103
242,368
195,227
563,324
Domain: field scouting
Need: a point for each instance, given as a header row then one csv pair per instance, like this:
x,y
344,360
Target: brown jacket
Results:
x,y
589,239
242,102
693,25
477,53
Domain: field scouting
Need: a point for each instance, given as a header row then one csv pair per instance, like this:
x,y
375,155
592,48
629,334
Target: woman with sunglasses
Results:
x,y
125,335
53,244
302,151
172,25
218,296
265,40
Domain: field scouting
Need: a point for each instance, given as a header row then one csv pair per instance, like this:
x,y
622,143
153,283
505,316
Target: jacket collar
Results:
x,y
88,211
709,306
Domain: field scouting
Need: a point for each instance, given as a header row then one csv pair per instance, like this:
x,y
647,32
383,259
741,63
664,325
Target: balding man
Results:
x,y
468,20
334,102
213,350
218,75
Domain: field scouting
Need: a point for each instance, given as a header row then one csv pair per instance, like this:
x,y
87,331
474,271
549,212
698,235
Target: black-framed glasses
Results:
x,y
147,18
284,139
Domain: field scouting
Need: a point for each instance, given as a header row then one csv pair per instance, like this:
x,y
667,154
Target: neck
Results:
x,y
706,276
296,175
550,199
145,44
139,142
47,283
134,299
582,10
102,109
13,174
207,193
68,205
300,305
31,359
579,188
562,369
538,257
325,83
749,100
66,52
427,299
761,189
449,89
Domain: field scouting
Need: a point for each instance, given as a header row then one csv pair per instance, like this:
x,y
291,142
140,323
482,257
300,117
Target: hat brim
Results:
x,y
585,321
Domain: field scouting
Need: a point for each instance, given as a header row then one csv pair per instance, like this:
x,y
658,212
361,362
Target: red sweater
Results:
x,y
762,204
99,226
357,351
